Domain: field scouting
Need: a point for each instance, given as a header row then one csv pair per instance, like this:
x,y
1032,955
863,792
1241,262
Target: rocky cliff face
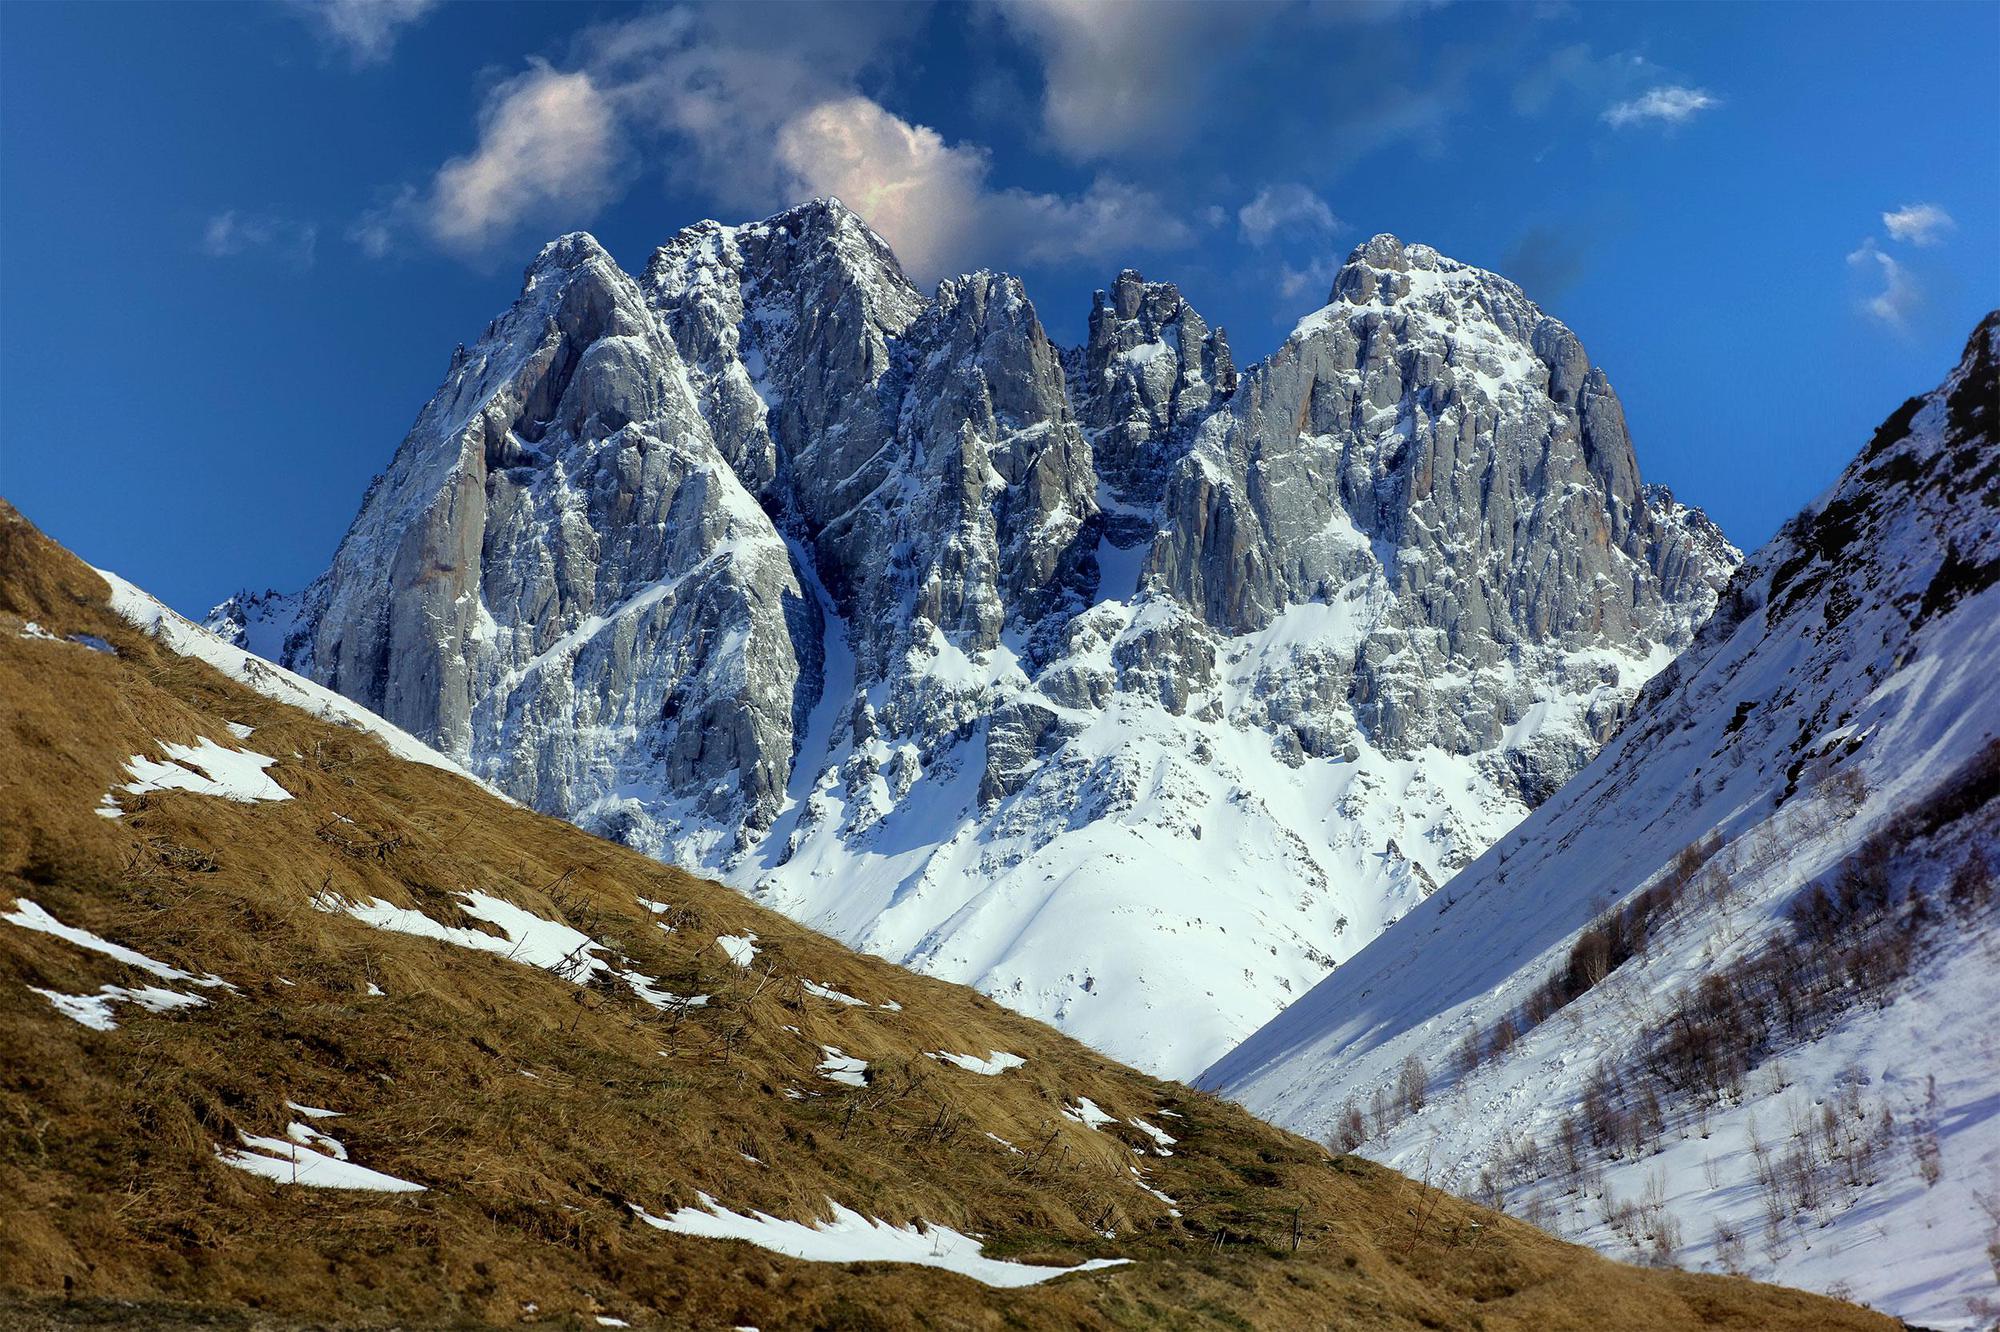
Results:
x,y
1133,690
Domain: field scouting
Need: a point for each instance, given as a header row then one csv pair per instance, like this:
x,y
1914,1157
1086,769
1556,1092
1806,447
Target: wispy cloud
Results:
x,y
233,233
1918,224
1291,219
365,30
1117,74
1134,78
1899,297
548,144
760,123
1285,211
1314,277
1671,104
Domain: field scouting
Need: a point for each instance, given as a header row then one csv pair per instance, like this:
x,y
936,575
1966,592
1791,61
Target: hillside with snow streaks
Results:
x,y
1727,999
389,1051
1134,688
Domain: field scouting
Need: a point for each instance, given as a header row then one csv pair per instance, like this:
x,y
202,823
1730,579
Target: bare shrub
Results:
x,y
1970,893
1930,1158
1351,1129
1844,790
1382,1106
1412,1085
1729,1248
1466,1058
1664,1240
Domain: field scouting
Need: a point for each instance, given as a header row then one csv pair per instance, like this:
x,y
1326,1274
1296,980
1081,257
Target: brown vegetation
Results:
x,y
1848,939
538,1111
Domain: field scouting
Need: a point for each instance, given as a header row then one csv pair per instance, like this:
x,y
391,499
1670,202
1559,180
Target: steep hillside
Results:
x,y
298,1027
1729,997
951,642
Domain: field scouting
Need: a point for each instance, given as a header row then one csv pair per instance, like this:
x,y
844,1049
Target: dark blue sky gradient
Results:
x,y
202,422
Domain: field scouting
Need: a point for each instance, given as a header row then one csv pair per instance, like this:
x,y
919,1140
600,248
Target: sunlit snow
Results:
x,y
996,1062
311,1157
853,1238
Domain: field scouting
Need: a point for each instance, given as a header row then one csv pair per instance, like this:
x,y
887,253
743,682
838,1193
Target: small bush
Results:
x,y
1412,1085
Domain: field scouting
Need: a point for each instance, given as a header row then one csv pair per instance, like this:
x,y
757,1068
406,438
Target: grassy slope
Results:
x,y
109,1187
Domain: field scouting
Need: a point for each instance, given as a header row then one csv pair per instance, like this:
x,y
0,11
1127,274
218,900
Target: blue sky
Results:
x,y
239,242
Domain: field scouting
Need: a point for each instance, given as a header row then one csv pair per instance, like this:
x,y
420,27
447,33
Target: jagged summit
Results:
x,y
569,250
951,641
1383,263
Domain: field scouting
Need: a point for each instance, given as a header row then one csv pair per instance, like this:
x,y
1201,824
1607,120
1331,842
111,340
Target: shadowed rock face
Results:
x,y
940,636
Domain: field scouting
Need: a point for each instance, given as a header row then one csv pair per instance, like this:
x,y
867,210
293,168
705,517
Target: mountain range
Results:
x,y
1136,688
1354,725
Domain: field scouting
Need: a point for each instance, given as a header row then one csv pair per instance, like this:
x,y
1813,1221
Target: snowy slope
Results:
x,y
1796,1086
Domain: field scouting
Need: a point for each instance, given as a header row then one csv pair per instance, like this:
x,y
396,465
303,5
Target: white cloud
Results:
x,y
1918,224
1315,278
548,148
1899,297
904,180
1281,211
365,29
760,117
1110,220
232,233
1671,104
1290,217
932,202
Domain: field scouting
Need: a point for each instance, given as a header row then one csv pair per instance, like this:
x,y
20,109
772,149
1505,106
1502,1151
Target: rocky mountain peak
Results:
x,y
569,251
952,642
1150,368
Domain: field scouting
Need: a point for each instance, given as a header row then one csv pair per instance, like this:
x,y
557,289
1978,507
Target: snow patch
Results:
x,y
996,1062
853,1238
310,1157
839,1067
204,768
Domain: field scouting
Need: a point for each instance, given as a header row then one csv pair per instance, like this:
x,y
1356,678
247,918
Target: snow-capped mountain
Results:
x,y
1728,998
1131,689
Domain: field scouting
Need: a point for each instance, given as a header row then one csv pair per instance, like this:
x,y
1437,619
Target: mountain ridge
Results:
x,y
767,565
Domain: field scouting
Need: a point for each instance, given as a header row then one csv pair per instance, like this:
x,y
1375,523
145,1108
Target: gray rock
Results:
x,y
1029,667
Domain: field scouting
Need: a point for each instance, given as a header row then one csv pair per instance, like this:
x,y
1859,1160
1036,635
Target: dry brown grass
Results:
x,y
110,1190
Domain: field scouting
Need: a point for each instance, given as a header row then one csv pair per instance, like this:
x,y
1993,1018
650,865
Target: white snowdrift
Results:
x,y
309,1156
853,1238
